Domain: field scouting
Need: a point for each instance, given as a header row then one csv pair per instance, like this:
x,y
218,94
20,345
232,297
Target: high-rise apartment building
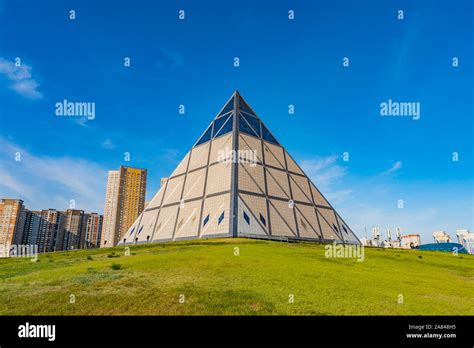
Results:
x,y
93,230
50,230
31,229
110,208
12,214
124,202
73,233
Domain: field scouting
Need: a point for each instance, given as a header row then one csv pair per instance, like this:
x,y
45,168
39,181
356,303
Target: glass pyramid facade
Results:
x,y
237,180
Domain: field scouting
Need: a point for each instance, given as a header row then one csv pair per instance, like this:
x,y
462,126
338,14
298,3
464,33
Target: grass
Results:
x,y
152,279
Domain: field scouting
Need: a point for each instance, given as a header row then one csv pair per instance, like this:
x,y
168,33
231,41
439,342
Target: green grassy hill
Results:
x,y
259,281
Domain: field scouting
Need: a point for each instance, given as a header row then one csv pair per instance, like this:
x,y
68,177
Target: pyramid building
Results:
x,y
238,181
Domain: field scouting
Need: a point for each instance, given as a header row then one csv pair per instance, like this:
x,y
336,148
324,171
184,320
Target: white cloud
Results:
x,y
44,182
326,174
108,144
12,183
21,80
170,156
396,166
339,196
81,121
323,171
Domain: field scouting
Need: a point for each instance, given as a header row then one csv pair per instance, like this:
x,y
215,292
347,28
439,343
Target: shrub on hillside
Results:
x,y
116,266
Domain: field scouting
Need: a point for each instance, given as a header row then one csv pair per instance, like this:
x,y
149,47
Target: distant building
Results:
x,y
396,243
124,202
93,230
466,238
410,241
74,230
31,227
12,221
441,237
111,207
50,231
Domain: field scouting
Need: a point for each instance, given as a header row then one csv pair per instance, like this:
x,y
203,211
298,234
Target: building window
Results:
x,y
141,228
335,227
220,218
344,228
246,218
206,220
267,136
226,128
244,127
228,107
206,136
262,219
254,123
218,124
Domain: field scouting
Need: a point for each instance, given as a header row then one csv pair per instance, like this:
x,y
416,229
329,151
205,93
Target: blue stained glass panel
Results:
x,y
206,219
244,107
244,127
246,218
218,124
254,123
262,219
267,136
205,137
227,127
220,218
229,106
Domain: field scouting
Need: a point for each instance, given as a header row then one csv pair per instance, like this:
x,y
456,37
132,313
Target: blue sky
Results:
x,y
282,62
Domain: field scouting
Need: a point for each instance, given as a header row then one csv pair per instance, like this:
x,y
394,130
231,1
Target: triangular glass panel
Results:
x,y
244,107
218,124
228,107
268,136
244,127
226,128
224,115
205,137
254,123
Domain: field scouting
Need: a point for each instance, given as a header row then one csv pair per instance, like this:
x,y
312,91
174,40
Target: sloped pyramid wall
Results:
x,y
238,181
